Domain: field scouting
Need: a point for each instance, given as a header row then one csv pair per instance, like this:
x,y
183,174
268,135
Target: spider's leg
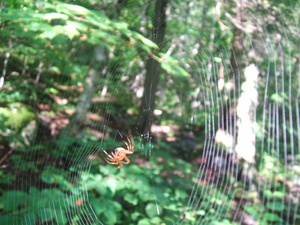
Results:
x,y
130,144
107,154
113,154
127,145
109,158
110,162
119,166
113,163
126,159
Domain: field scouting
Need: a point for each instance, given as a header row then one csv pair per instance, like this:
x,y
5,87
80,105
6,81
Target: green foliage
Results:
x,y
50,46
170,64
33,206
6,178
134,186
52,175
16,116
113,194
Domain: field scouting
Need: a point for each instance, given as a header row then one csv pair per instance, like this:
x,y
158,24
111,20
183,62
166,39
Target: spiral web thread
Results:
x,y
219,176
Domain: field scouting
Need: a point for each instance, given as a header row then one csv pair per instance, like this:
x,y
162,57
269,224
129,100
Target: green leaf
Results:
x,y
112,184
171,65
144,221
30,218
101,24
49,33
180,194
156,221
131,198
135,215
6,178
47,177
73,9
48,214
146,41
111,215
217,59
8,219
271,217
278,194
97,205
55,69
70,29
52,90
52,175
19,198
276,206
152,209
278,97
251,210
51,16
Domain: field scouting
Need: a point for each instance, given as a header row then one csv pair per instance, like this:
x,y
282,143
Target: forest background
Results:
x,y
208,90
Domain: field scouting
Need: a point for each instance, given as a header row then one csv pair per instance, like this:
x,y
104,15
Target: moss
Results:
x,y
16,116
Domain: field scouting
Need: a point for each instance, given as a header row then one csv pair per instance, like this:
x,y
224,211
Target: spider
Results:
x,y
120,153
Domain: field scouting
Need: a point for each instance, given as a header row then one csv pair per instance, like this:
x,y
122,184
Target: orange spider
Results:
x,y
120,154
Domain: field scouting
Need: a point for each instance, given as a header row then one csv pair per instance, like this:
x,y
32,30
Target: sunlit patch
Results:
x,y
208,89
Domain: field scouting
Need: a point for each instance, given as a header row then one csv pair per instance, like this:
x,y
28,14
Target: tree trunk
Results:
x,y
153,67
237,54
92,80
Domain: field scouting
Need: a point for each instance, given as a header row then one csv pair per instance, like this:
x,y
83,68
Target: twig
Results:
x,y
6,155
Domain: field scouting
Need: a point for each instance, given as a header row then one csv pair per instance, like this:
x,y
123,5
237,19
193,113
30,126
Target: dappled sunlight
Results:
x,y
149,112
246,108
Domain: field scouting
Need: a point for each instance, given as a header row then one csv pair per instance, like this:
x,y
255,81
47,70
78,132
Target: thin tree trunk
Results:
x,y
92,80
153,67
237,54
84,104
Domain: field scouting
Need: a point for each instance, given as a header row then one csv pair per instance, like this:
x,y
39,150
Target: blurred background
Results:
x,y
207,90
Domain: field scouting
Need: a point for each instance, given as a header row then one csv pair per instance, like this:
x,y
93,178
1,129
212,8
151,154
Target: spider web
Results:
x,y
246,167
